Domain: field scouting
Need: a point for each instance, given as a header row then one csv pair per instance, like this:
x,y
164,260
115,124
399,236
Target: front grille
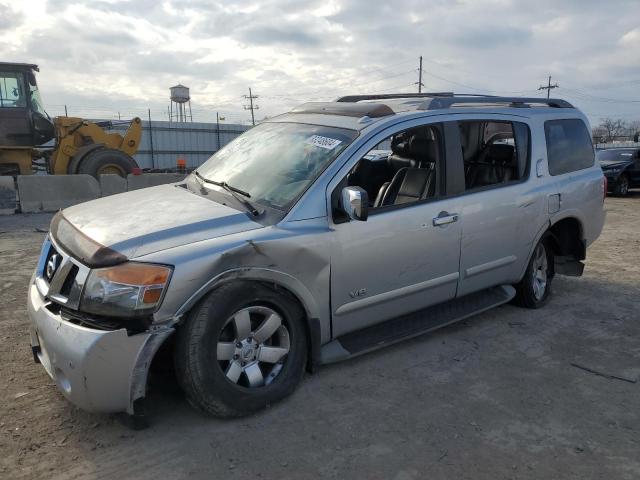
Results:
x,y
59,277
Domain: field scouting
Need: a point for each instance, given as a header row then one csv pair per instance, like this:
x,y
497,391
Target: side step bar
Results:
x,y
414,324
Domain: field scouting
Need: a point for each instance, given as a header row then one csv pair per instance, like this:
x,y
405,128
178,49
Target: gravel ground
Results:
x,y
494,397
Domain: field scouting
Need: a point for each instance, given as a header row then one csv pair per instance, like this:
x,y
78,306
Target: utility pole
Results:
x,y
153,162
218,128
549,87
251,106
419,82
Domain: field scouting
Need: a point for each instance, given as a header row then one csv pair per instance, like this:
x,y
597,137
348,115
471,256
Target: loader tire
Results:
x,y
107,161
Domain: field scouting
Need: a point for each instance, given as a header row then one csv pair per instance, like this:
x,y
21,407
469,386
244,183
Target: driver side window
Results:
x,y
402,169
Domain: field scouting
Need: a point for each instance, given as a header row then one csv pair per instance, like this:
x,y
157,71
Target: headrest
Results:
x,y
412,150
400,145
501,152
423,149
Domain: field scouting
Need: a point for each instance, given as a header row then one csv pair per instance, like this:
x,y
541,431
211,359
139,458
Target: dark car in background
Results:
x,y
621,166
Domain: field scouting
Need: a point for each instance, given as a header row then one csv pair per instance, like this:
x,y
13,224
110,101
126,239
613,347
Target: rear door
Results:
x,y
499,210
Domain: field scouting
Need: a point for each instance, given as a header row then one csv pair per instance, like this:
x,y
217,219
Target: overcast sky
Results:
x,y
104,56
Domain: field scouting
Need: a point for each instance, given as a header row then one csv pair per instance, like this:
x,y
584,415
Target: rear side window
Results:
x,y
569,146
495,153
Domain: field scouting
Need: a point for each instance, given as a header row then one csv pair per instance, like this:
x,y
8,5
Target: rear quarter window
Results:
x,y
569,146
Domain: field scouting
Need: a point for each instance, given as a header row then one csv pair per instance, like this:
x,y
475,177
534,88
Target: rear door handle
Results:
x,y
444,219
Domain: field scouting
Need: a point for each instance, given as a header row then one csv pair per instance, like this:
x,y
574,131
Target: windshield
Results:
x,y
275,162
614,155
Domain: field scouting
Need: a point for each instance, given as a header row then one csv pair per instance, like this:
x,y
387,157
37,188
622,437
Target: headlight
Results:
x,y
126,290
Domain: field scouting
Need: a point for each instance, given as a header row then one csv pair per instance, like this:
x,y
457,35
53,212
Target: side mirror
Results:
x,y
355,203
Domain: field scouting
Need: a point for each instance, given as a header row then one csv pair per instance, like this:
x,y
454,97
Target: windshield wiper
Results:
x,y
234,193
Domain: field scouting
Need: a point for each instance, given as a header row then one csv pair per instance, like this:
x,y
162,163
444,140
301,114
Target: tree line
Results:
x,y
612,129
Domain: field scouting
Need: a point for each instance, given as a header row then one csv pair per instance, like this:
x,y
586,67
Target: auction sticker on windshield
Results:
x,y
324,142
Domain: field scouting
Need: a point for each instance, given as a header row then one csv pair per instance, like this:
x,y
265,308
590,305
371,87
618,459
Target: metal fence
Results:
x,y
617,144
163,143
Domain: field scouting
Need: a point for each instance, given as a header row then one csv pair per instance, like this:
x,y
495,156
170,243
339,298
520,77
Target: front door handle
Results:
x,y
444,219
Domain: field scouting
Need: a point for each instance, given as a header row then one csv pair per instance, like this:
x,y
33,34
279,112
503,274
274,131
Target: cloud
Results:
x,y
277,35
631,38
9,18
125,54
491,36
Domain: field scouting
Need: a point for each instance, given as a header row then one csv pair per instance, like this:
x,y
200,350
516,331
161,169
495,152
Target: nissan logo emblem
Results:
x,y
52,265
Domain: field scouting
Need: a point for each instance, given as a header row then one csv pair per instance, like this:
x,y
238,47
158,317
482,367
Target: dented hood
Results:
x,y
129,225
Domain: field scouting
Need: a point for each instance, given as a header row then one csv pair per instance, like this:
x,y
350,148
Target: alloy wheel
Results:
x,y
624,185
253,346
540,272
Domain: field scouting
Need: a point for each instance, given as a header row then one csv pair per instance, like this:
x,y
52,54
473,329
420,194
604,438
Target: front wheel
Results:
x,y
242,349
622,186
535,287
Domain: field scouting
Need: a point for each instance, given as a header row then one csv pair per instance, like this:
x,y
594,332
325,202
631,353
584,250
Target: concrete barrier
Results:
x,y
111,184
7,196
48,193
136,182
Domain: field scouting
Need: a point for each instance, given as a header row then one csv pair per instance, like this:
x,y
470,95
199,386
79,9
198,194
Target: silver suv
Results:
x,y
316,236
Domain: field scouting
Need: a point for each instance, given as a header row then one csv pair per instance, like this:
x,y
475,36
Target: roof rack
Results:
x,y
441,100
518,102
387,96
371,110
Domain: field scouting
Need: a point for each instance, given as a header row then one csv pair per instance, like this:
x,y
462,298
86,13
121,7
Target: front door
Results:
x,y
394,263
499,210
15,120
405,256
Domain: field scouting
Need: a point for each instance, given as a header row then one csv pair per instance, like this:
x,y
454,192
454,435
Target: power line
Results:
x,y
483,90
587,96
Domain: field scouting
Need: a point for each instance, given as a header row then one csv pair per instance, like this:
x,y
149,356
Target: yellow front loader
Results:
x,y
81,146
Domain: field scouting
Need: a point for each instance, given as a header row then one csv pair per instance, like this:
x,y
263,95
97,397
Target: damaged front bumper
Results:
x,y
97,370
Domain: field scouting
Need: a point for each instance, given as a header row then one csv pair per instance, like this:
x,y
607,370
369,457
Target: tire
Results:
x,y
534,289
622,186
105,161
219,349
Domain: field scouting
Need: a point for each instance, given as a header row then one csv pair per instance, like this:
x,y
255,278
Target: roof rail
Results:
x,y
371,110
387,96
447,102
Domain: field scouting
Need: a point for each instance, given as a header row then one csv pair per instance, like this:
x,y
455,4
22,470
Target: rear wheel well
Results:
x,y
566,239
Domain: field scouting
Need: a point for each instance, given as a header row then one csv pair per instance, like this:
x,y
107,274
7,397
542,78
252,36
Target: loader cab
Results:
x,y
23,120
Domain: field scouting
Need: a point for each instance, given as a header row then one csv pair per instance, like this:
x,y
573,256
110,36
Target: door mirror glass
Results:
x,y
355,203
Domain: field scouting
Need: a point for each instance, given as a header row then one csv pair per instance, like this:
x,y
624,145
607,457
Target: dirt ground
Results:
x,y
494,397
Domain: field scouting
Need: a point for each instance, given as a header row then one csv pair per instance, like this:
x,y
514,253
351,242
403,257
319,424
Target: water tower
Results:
x,y
180,109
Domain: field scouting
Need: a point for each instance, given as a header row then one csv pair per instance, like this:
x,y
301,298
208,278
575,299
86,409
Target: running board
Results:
x,y
414,324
